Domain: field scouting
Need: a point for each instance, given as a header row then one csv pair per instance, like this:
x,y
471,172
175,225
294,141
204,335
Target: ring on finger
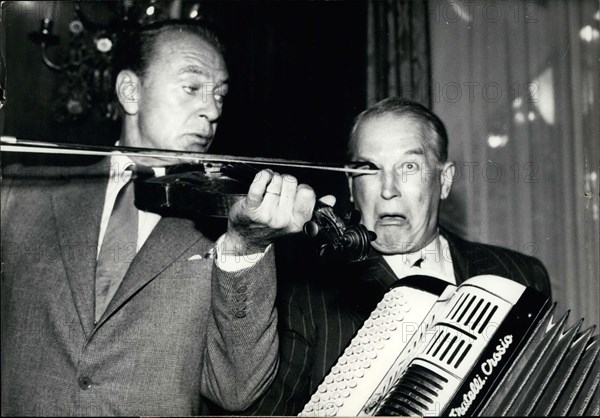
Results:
x,y
278,194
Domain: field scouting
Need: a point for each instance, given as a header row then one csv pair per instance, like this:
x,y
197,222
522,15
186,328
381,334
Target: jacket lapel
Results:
x,y
460,259
372,277
376,270
77,207
168,241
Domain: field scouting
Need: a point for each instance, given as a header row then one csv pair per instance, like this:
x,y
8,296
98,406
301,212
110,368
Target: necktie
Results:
x,y
412,266
418,263
119,246
405,265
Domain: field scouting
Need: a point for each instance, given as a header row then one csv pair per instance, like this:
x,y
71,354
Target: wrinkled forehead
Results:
x,y
389,133
177,49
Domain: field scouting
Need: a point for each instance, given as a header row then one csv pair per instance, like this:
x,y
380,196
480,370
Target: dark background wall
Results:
x,y
297,73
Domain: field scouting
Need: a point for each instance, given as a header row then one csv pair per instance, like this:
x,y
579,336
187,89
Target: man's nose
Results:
x,y
209,108
390,186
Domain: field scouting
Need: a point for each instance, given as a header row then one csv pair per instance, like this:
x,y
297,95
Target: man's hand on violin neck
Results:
x,y
276,205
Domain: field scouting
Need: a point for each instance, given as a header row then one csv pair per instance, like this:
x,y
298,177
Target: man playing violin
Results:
x,y
408,145
164,317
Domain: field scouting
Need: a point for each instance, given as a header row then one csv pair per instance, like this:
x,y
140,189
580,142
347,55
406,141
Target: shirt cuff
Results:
x,y
233,263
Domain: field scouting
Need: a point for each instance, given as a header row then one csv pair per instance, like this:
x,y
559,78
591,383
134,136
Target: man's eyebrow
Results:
x,y
359,159
415,151
194,69
359,163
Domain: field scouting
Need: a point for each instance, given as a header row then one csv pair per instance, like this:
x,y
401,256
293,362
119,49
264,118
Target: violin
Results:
x,y
212,184
212,189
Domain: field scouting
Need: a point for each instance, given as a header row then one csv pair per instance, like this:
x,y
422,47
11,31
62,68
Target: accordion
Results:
x,y
488,347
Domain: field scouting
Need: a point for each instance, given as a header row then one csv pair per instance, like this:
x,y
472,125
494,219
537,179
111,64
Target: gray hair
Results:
x,y
435,131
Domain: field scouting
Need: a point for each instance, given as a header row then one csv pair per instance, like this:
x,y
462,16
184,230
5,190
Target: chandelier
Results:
x,y
86,66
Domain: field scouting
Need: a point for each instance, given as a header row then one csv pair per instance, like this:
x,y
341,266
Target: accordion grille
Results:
x,y
414,393
473,312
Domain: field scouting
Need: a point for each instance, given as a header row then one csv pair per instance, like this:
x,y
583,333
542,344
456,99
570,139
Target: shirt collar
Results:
x,y
430,252
119,163
120,168
436,261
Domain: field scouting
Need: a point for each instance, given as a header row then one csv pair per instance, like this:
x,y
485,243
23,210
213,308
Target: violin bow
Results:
x,y
13,144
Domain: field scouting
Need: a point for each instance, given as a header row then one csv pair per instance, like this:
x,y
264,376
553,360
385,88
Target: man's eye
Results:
x,y
410,166
191,89
367,165
219,98
362,165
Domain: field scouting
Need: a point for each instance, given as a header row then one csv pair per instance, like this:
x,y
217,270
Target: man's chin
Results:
x,y
394,246
200,149
199,146
168,161
390,249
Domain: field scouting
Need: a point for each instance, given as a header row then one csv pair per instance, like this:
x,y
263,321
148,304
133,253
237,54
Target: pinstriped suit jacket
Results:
x,y
169,336
318,318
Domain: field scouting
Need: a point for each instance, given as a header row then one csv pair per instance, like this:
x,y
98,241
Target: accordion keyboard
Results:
x,y
362,374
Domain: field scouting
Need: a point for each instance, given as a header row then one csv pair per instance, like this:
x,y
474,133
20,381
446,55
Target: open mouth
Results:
x,y
397,219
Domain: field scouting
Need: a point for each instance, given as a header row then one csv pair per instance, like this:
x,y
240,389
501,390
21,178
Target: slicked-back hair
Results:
x,y
434,129
136,50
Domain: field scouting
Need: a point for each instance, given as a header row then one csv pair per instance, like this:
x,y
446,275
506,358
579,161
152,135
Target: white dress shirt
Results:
x,y
437,261
120,174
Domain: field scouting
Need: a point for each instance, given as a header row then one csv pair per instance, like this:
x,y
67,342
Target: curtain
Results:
x,y
397,50
517,84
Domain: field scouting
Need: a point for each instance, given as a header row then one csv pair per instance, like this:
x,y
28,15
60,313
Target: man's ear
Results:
x,y
128,91
446,178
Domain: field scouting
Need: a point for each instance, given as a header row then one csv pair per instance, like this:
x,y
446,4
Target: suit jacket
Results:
x,y
177,329
319,317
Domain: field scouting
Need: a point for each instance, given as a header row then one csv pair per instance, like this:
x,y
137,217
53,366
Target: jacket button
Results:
x,y
84,382
242,288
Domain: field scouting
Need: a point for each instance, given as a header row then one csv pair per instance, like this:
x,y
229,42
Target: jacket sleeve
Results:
x,y
241,354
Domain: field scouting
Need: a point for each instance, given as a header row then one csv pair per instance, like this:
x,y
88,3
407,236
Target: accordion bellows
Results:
x,y
490,347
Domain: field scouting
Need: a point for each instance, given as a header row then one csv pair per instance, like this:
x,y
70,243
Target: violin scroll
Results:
x,y
337,239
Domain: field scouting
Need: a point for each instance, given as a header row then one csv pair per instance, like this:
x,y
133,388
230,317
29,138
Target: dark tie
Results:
x,y
119,246
418,263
